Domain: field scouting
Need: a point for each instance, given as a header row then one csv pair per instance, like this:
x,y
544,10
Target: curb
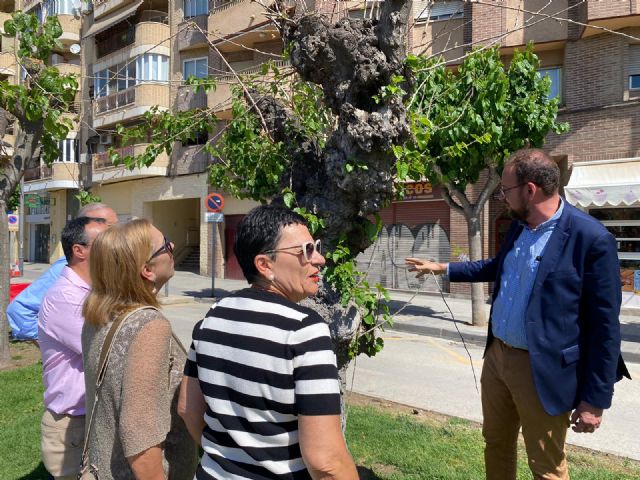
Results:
x,y
479,339
175,300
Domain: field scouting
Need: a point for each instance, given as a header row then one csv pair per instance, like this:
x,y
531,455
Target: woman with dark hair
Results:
x,y
134,431
261,392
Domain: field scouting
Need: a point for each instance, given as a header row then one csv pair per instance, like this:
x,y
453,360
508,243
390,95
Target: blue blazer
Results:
x,y
572,324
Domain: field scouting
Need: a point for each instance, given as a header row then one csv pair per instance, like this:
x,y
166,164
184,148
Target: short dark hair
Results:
x,y
74,233
258,232
536,166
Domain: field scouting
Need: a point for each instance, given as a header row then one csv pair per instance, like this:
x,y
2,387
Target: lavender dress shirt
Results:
x,y
59,331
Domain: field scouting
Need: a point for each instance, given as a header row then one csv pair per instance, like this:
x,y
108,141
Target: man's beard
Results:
x,y
520,214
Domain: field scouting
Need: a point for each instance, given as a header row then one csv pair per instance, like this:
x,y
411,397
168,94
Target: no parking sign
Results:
x,y
13,222
214,202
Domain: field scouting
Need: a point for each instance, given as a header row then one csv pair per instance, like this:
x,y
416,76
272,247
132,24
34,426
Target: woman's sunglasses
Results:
x,y
308,249
167,246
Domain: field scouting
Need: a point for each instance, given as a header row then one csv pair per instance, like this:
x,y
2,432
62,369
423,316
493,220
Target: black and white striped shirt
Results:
x,y
261,361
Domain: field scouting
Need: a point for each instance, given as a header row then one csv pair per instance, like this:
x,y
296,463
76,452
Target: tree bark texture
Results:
x,y
457,199
27,140
474,229
351,60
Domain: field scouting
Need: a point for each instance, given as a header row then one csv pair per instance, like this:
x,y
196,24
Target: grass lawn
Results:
x,y
394,442
20,414
388,441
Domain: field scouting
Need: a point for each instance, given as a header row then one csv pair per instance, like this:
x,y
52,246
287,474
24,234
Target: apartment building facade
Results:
x,y
136,55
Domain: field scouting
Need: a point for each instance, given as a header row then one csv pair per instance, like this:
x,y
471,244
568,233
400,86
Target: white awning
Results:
x,y
112,19
606,182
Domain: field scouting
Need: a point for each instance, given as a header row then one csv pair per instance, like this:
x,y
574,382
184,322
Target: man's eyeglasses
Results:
x,y
308,249
167,246
500,193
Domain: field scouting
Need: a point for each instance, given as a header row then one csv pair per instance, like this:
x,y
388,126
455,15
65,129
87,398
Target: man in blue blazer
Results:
x,y
554,334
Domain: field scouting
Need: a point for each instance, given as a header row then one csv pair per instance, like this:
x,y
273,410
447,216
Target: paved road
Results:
x,y
436,375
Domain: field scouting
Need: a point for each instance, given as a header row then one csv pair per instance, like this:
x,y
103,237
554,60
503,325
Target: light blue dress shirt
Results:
x,y
22,312
519,272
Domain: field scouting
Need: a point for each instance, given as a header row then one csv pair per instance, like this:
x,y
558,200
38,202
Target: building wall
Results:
x,y
611,8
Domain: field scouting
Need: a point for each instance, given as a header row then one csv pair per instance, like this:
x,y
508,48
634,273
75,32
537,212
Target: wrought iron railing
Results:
x,y
115,100
38,173
102,160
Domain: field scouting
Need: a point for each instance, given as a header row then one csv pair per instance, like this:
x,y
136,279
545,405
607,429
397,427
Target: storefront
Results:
x,y
610,191
417,226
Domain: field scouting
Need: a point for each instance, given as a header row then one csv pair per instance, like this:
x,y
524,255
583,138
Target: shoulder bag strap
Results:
x,y
102,368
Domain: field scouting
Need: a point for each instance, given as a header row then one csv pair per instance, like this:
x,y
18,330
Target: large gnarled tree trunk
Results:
x,y
351,60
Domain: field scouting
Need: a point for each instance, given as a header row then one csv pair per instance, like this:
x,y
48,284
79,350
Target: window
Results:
x,y
68,151
634,67
195,67
438,10
555,74
152,67
624,224
199,138
59,7
193,8
115,79
144,68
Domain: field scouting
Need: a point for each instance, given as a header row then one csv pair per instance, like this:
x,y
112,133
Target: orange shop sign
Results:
x,y
421,191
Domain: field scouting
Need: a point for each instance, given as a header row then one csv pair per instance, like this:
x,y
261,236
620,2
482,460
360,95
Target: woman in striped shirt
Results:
x,y
261,392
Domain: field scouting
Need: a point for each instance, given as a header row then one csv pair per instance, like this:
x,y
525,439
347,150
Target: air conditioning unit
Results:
x,y
106,139
56,59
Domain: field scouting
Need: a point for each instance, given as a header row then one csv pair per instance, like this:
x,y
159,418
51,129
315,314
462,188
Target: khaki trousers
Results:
x,y
509,401
61,444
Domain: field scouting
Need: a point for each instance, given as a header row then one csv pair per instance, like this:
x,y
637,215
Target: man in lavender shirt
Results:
x,y
60,323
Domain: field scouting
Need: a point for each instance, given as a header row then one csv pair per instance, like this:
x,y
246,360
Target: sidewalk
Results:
x,y
423,313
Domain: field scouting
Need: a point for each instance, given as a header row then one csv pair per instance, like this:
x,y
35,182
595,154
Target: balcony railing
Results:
x,y
41,210
115,100
228,77
219,5
39,173
102,160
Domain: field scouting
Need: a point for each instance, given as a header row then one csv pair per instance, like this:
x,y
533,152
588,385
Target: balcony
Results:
x,y
58,176
186,99
611,14
189,160
103,7
70,29
4,16
189,36
39,173
8,64
145,37
105,172
68,69
235,16
130,103
220,98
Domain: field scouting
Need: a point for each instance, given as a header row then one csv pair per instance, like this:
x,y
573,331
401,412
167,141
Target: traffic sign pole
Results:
x,y
213,260
21,230
214,203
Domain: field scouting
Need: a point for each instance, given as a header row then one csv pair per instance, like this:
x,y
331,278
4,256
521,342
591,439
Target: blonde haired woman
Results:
x,y
135,432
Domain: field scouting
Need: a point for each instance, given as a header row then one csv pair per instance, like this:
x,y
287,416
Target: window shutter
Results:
x,y
425,9
634,59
